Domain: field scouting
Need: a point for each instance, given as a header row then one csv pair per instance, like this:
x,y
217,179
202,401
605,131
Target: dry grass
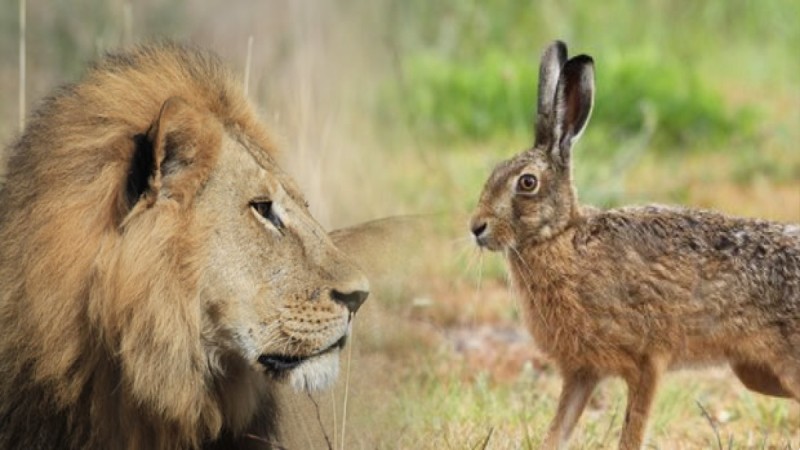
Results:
x,y
440,359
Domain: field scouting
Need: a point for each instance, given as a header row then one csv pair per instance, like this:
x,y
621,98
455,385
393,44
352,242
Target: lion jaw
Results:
x,y
316,374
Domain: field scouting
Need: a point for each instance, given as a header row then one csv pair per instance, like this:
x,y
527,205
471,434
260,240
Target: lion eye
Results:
x,y
527,183
264,209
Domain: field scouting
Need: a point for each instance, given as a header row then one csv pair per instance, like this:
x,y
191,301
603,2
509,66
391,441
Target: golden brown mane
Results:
x,y
99,337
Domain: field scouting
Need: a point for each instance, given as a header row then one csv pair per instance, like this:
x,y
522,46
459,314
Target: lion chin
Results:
x,y
316,374
312,373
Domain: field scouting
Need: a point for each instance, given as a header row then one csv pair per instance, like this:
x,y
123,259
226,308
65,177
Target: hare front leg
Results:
x,y
575,392
642,386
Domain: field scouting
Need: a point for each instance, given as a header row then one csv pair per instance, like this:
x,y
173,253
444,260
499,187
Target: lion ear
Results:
x,y
175,156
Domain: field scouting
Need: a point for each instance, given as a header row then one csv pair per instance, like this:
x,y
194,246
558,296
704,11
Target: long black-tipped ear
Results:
x,y
553,58
573,105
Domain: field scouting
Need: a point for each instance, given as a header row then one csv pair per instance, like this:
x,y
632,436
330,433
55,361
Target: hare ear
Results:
x,y
573,105
175,156
552,60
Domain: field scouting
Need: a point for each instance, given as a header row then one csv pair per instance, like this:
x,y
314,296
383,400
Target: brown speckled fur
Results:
x,y
633,292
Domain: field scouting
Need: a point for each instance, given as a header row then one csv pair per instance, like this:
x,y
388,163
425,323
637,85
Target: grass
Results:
x,y
457,411
453,398
491,94
404,106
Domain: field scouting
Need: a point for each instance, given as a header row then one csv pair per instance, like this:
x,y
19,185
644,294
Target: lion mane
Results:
x,y
100,344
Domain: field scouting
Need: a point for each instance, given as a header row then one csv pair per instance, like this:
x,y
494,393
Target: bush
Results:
x,y
685,109
448,100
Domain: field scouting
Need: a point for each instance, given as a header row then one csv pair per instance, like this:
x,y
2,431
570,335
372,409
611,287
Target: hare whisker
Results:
x,y
472,257
526,270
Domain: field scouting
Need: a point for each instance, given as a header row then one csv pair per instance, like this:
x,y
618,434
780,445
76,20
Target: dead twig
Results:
x,y
710,422
319,419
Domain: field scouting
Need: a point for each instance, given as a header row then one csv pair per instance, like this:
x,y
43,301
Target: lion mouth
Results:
x,y
278,364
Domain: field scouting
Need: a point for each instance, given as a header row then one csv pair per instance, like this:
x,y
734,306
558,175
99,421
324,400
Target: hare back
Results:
x,y
695,285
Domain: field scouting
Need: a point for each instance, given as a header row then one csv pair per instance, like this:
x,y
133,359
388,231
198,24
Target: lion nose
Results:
x,y
352,300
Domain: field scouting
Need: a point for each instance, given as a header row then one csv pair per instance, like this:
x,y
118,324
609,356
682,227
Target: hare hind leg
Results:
x,y
575,392
784,364
760,379
789,374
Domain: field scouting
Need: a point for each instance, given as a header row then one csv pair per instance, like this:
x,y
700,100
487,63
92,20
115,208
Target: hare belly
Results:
x,y
614,327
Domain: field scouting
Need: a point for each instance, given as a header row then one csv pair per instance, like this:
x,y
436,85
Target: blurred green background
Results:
x,y
388,107
674,78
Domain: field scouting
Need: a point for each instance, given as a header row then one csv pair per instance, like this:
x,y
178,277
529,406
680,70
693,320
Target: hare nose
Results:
x,y
351,300
478,229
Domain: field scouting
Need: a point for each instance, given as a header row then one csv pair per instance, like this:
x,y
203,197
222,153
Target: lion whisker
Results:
x,y
347,384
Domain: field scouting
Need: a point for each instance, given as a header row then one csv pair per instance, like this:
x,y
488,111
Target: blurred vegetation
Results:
x,y
494,94
674,79
62,36
697,103
470,67
691,96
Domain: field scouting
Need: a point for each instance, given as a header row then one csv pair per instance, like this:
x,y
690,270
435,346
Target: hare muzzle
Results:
x,y
479,230
490,233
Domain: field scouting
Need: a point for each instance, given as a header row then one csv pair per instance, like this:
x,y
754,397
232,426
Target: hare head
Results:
x,y
530,197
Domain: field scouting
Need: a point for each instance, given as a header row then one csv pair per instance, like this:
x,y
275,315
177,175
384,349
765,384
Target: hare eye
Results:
x,y
527,183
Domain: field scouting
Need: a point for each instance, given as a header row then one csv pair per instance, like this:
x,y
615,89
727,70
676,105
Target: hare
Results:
x,y
635,291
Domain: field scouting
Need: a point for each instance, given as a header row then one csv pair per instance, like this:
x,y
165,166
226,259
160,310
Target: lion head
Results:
x,y
159,272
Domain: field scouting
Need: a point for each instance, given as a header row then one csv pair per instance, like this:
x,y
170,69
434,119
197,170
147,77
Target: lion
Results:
x,y
160,275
